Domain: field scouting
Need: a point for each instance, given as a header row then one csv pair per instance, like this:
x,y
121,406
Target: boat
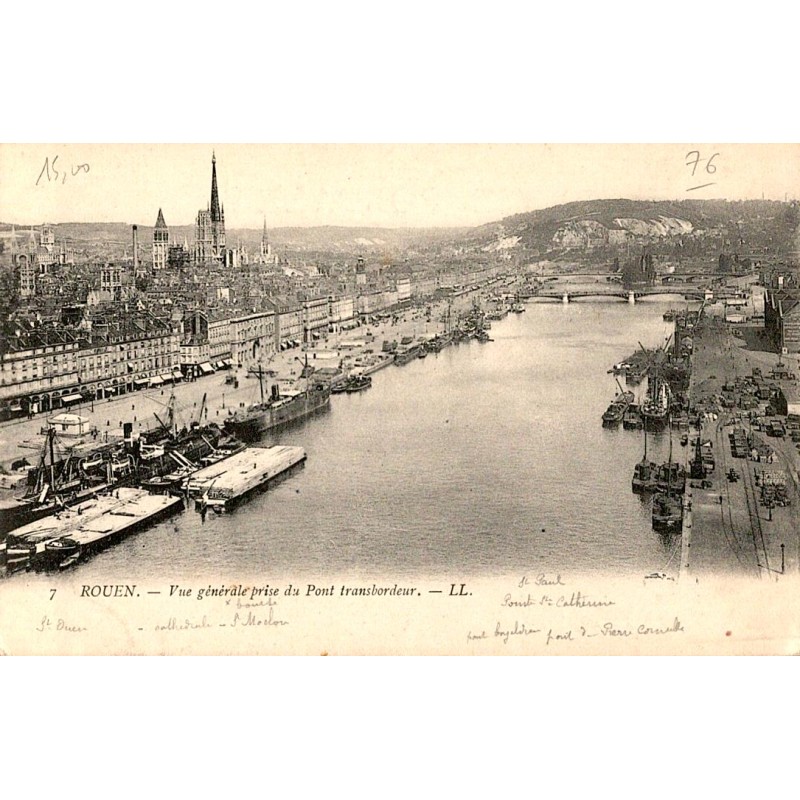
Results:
x,y
279,410
372,363
667,514
357,383
655,409
233,479
167,484
28,544
644,478
405,355
671,476
619,405
632,419
91,536
51,486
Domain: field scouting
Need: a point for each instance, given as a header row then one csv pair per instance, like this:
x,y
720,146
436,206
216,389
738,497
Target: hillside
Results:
x,y
600,227
752,225
115,237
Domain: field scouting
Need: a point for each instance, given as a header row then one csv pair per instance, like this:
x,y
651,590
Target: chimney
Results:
x,y
135,248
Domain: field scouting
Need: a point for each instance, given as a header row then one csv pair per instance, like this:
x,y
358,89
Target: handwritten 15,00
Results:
x,y
52,174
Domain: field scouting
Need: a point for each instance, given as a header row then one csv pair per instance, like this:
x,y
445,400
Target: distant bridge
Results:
x,y
631,296
616,277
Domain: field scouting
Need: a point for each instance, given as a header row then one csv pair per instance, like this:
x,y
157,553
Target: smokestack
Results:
x,y
135,248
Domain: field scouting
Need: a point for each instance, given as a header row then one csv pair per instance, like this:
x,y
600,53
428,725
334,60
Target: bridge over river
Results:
x,y
689,292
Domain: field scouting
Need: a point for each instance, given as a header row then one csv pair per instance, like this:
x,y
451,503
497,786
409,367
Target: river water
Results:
x,y
483,459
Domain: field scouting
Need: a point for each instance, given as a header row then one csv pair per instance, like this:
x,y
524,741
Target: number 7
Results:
x,y
696,161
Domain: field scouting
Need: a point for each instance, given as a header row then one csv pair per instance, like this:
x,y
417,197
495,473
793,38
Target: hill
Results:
x,y
601,227
750,225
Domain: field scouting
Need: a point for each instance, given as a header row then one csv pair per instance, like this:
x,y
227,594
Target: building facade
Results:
x,y
289,327
782,320
52,368
315,318
252,338
206,341
342,313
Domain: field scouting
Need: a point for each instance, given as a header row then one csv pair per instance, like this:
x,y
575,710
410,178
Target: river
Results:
x,y
483,459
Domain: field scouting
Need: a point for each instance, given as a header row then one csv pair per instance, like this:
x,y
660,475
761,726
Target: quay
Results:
x,y
731,530
226,390
213,398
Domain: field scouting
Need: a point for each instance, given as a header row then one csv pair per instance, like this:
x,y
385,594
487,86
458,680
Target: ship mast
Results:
x,y
669,462
51,436
644,427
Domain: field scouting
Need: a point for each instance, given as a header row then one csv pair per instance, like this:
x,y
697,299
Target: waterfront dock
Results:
x,y
212,399
733,531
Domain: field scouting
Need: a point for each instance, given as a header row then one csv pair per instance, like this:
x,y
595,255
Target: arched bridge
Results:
x,y
567,295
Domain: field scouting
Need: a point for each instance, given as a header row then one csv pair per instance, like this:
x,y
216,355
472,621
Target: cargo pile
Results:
x,y
773,488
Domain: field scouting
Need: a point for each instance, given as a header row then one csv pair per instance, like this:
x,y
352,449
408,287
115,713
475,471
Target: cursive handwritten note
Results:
x,y
52,172
60,625
548,612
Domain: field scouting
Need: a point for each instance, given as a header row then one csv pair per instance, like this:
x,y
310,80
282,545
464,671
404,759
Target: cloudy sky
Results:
x,y
371,185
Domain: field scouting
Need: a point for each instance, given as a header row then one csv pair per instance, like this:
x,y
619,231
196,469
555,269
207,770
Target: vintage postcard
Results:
x,y
399,399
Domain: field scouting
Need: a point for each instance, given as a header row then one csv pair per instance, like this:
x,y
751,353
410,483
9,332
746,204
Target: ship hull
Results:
x,y
16,516
252,427
654,423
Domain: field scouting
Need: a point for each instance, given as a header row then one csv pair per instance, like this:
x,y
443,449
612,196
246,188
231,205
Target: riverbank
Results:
x,y
22,438
731,531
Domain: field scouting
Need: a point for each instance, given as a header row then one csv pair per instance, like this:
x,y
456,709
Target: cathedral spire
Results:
x,y
215,210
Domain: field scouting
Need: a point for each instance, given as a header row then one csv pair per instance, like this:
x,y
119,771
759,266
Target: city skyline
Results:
x,y
372,185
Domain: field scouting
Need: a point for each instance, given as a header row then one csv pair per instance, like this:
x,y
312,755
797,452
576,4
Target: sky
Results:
x,y
402,185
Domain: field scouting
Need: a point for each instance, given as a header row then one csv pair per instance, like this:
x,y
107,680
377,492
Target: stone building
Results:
x,y
782,320
209,232
160,243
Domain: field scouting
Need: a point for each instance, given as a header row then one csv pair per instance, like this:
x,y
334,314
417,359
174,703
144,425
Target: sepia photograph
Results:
x,y
399,398
438,340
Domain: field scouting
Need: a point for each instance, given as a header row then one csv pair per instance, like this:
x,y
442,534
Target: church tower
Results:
x,y
160,243
209,235
266,248
361,272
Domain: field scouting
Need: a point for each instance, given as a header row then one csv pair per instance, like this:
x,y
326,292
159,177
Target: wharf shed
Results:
x,y
787,401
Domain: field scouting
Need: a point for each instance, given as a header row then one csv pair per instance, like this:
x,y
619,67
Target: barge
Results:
x,y
94,535
227,483
76,531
